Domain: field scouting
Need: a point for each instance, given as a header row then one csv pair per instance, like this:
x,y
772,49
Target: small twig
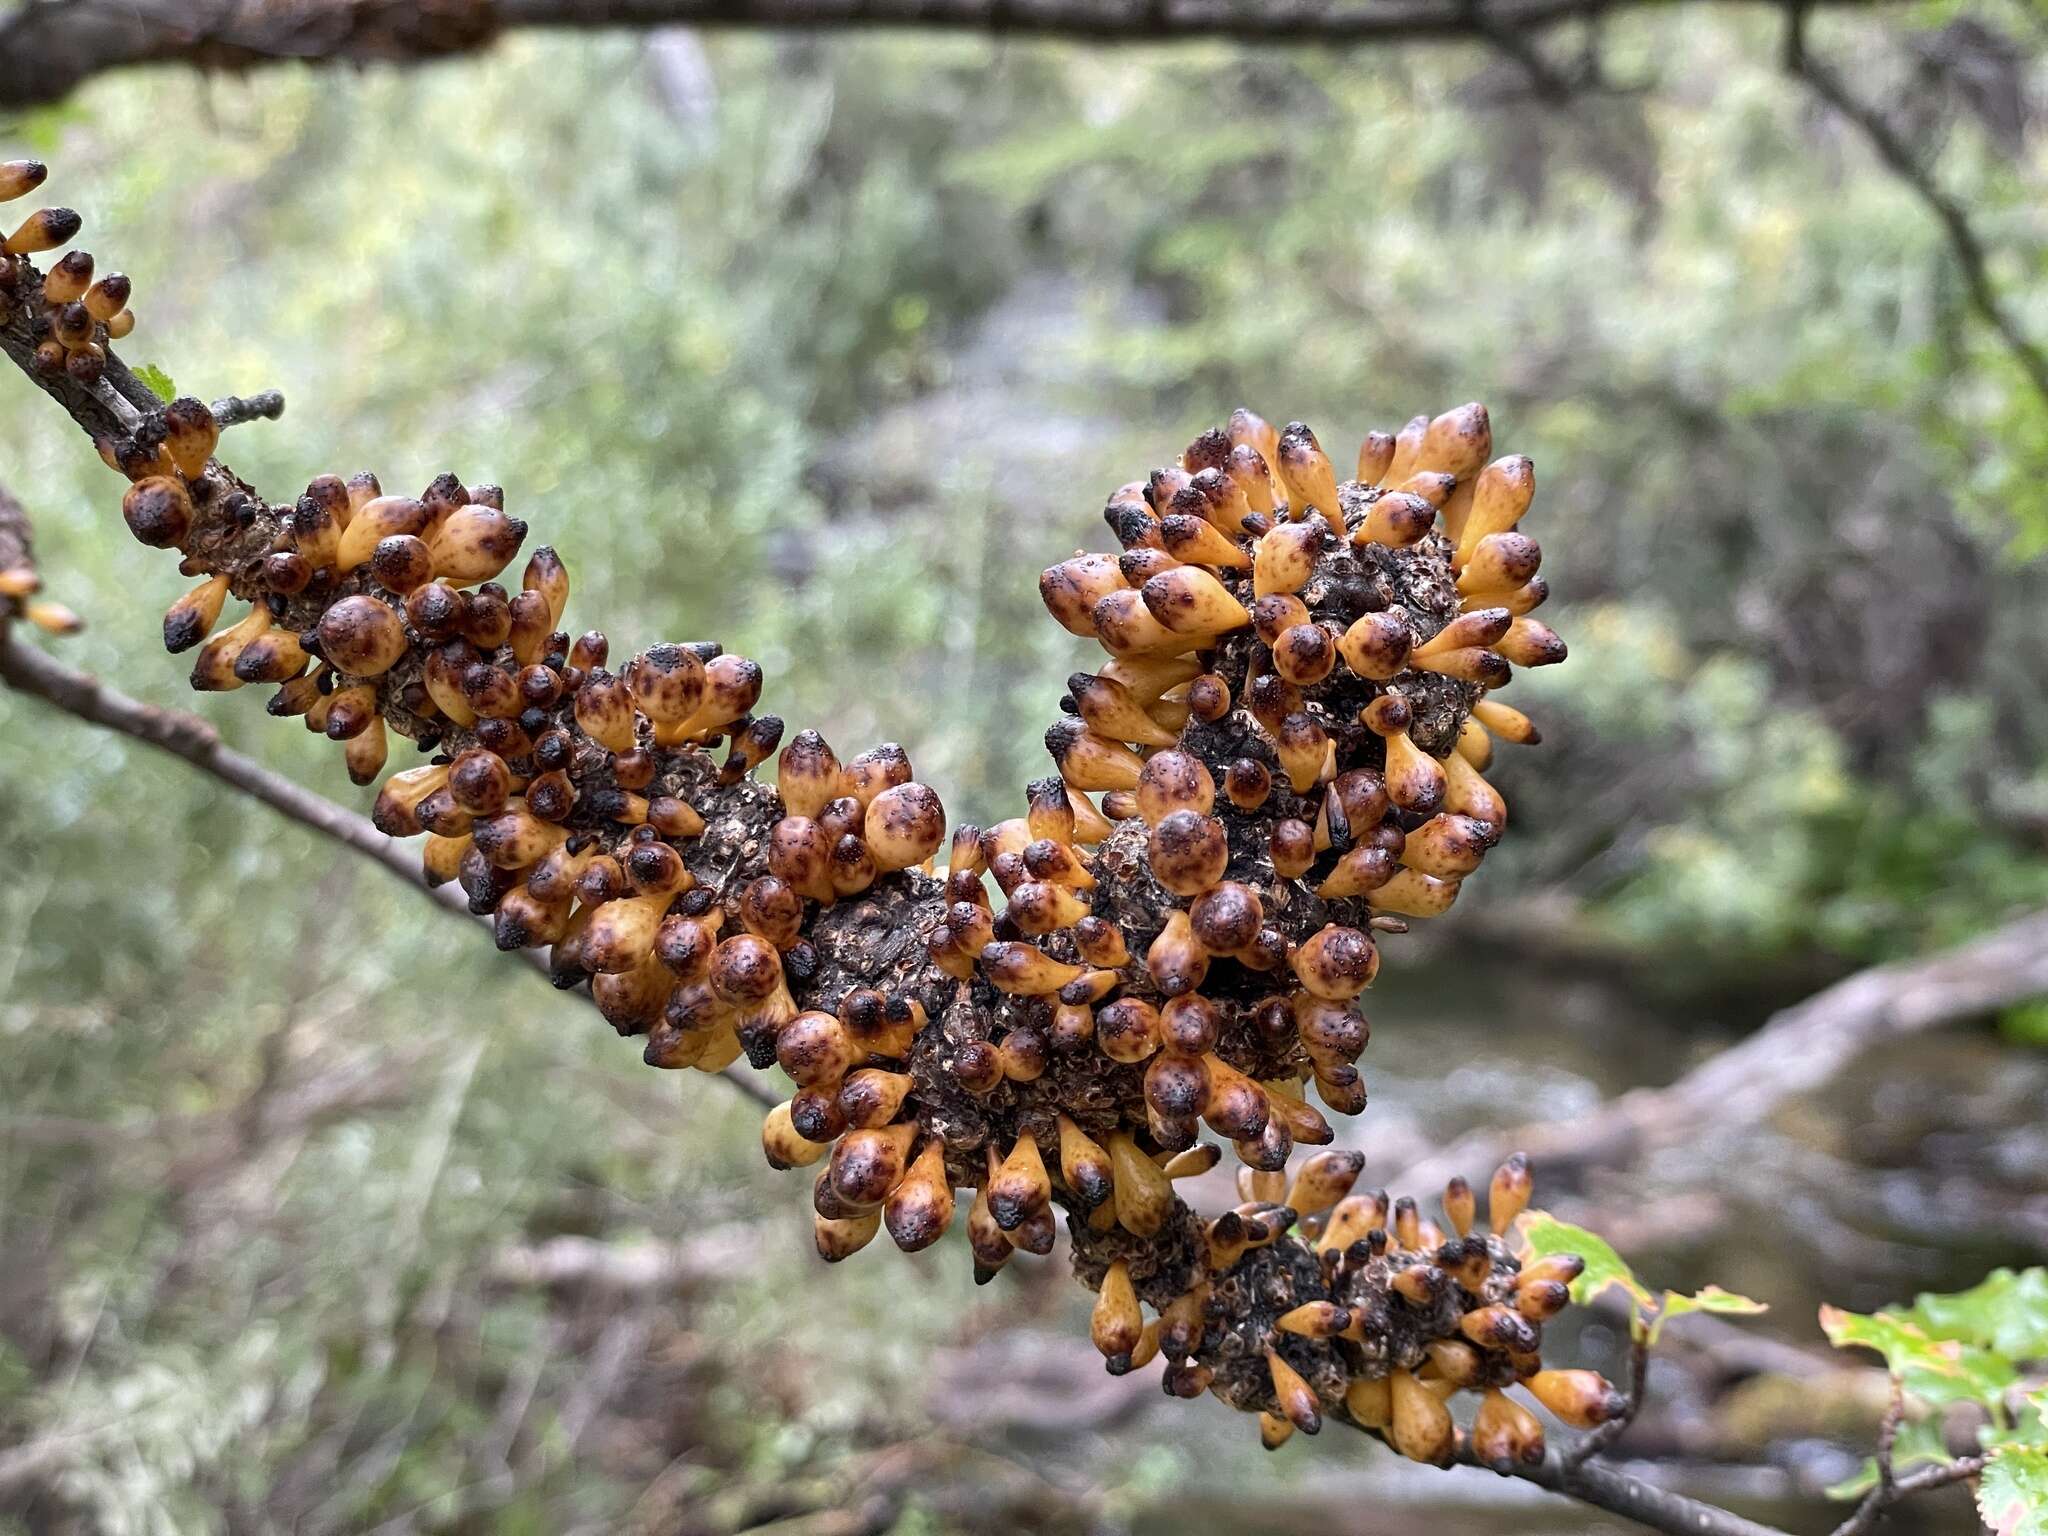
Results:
x,y
76,693
1602,1436
1941,1475
1888,1438
234,410
1890,1486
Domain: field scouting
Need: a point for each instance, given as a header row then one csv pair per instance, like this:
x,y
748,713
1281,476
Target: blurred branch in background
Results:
x,y
1798,1051
50,46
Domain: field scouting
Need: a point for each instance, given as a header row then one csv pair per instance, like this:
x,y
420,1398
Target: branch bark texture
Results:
x,y
50,47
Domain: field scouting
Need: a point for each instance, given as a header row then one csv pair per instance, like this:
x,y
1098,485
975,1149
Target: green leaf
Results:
x,y
1938,1371
1707,1299
2006,1312
158,381
1607,1270
1604,1269
2012,1496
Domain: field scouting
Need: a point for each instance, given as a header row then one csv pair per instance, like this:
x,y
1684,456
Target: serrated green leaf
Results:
x,y
1605,1269
2012,1495
1919,1444
158,381
1710,1298
2006,1312
1937,1371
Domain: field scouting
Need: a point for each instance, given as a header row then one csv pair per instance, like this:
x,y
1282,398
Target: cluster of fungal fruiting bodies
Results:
x,y
20,585
1288,745
1290,739
78,316
1319,1300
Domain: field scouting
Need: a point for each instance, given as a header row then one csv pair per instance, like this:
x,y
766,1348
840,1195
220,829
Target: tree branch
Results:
x,y
49,47
1798,1050
235,410
1899,157
1606,1487
191,739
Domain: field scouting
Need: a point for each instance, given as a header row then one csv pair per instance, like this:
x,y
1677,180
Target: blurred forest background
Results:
x,y
317,1216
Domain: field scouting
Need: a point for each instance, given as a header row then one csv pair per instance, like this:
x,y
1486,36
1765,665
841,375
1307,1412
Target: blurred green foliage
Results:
x,y
823,348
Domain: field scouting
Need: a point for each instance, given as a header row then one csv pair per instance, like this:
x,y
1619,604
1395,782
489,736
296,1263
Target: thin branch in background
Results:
x,y
1900,158
17,546
84,697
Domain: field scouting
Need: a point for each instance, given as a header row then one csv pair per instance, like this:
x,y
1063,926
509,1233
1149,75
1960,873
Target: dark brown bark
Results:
x,y
48,49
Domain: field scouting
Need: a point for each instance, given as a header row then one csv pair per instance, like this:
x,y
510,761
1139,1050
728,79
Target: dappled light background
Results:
x,y
822,348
